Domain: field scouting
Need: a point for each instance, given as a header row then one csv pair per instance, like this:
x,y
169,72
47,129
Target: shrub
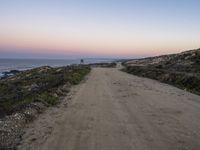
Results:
x,y
47,98
37,84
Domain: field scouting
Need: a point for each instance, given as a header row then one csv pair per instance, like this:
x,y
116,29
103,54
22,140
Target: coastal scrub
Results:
x,y
39,84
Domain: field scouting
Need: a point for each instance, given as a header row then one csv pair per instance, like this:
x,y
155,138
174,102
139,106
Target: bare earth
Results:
x,y
113,110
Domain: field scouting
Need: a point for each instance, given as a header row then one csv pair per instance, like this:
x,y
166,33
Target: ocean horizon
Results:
x,y
21,64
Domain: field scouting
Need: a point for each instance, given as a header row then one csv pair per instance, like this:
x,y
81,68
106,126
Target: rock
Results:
x,y
43,69
11,127
9,73
33,87
55,95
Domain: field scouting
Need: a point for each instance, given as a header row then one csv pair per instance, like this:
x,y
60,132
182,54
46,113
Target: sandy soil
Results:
x,y
113,110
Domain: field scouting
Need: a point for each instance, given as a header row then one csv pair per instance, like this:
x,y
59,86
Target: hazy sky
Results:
x,y
98,28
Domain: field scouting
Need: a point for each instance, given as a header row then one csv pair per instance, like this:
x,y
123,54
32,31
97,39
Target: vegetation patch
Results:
x,y
38,84
181,70
104,65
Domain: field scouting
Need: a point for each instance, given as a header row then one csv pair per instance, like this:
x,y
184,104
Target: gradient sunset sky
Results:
x,y
97,28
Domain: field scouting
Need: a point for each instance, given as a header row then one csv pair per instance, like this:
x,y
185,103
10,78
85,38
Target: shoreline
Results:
x,y
6,65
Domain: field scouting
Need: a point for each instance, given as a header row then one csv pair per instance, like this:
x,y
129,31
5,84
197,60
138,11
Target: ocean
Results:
x,y
25,64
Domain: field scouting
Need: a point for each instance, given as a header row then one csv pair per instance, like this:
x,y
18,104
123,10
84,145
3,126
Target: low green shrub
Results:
x,y
178,79
37,84
47,98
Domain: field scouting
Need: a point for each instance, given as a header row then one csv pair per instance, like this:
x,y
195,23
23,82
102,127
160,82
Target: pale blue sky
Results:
x,y
112,28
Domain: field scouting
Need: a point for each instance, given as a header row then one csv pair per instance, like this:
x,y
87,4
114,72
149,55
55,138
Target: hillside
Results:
x,y
181,70
28,93
39,84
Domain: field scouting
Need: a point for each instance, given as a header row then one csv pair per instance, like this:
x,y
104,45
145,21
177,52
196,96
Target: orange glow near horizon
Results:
x,y
96,46
98,28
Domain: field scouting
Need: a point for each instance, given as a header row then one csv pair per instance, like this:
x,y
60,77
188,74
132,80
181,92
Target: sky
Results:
x,y
97,28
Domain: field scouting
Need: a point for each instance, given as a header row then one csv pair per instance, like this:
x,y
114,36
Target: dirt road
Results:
x,y
113,110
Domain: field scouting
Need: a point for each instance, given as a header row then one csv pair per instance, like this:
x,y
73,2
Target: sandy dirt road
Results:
x,y
113,110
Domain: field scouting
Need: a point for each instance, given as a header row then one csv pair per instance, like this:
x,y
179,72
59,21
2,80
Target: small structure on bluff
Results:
x,y
82,61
